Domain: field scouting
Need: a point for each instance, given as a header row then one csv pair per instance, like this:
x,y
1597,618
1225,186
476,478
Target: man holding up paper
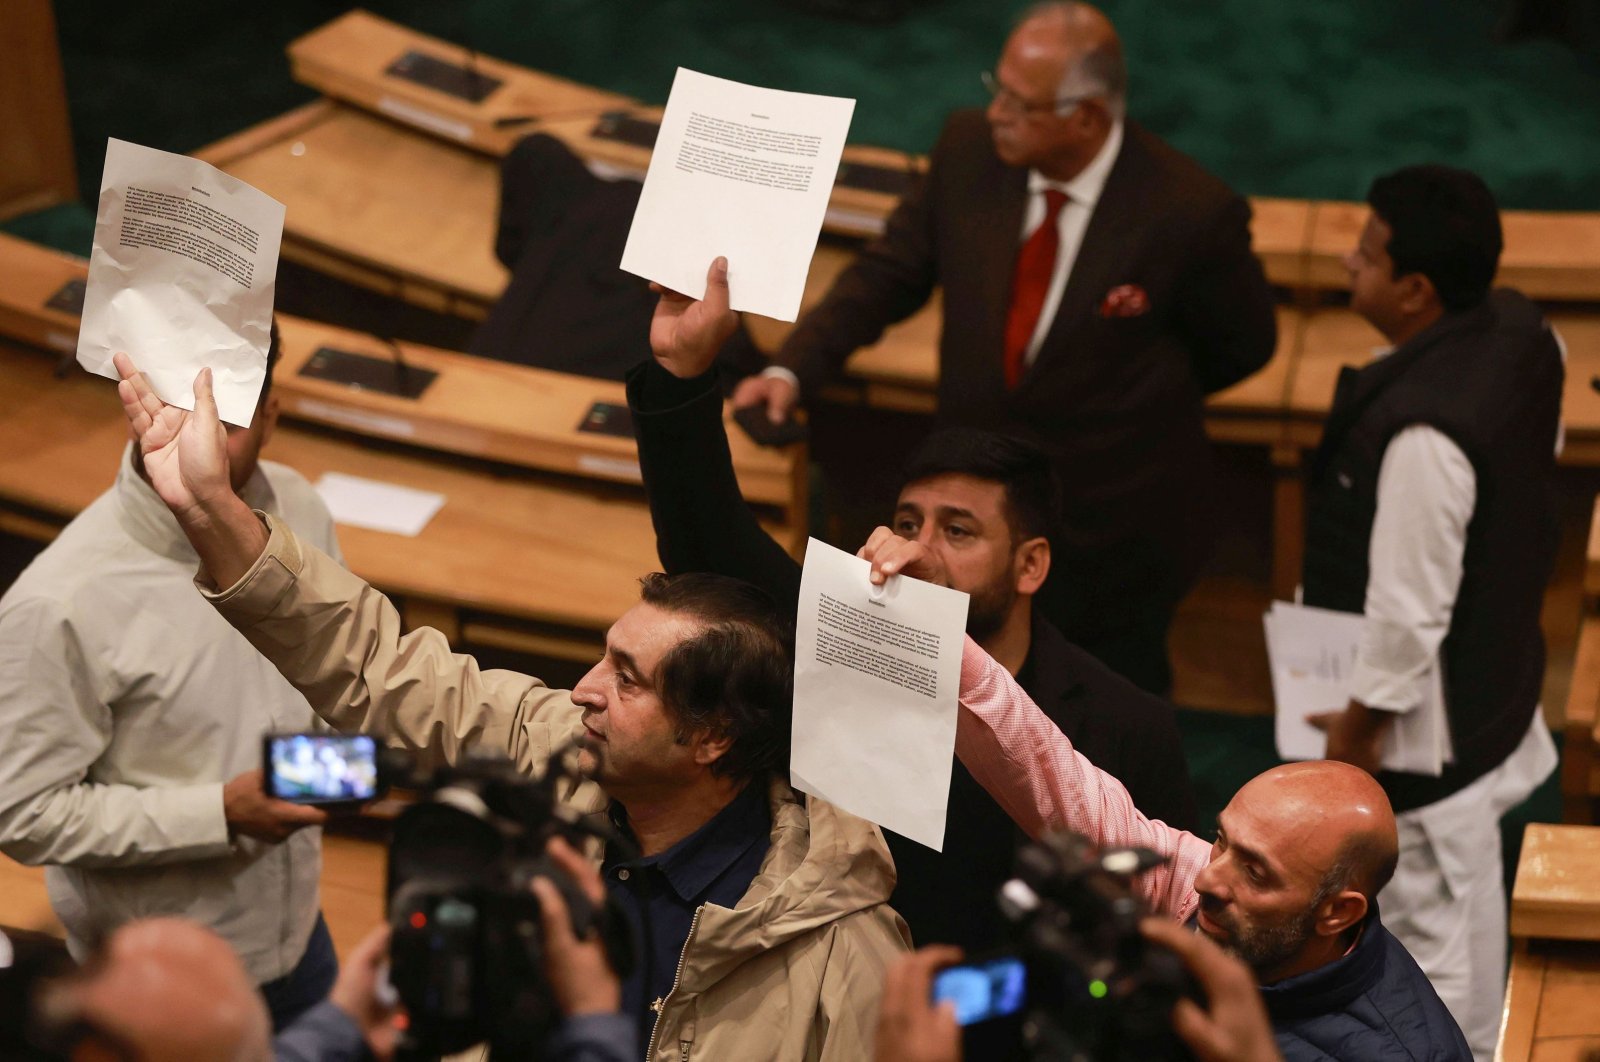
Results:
x,y
765,926
1097,284
1431,511
133,719
983,504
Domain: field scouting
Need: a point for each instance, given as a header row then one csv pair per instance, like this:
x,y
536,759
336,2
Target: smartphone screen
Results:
x,y
983,990
321,768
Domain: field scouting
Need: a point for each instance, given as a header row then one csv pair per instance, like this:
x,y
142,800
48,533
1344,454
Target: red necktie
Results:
x,y
1036,262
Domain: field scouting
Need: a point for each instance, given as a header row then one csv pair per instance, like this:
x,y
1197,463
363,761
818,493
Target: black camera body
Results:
x,y
1099,990
466,954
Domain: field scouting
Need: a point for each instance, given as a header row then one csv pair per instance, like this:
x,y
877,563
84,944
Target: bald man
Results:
x,y
1288,885
1097,284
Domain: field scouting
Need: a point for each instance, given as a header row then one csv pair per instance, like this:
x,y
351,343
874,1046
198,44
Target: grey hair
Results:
x,y
1098,72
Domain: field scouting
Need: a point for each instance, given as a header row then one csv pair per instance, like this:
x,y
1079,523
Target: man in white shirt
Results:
x,y
1431,511
1097,284
133,717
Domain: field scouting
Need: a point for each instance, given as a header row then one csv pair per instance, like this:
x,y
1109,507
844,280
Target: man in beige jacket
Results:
x,y
771,948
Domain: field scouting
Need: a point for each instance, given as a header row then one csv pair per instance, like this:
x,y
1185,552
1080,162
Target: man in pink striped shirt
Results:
x,y
1288,885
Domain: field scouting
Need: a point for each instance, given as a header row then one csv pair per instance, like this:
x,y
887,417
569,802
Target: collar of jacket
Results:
x,y
1358,388
1334,986
823,864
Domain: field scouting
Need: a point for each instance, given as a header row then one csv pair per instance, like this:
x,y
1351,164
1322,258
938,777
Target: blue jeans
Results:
x,y
308,983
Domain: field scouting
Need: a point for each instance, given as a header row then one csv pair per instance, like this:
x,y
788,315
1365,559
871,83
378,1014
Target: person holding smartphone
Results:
x,y
133,715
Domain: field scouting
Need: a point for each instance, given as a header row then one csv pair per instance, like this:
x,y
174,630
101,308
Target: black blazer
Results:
x,y
1117,399
703,524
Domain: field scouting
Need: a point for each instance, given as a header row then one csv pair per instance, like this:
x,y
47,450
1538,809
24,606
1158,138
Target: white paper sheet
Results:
x,y
876,674
1312,653
744,172
378,506
182,275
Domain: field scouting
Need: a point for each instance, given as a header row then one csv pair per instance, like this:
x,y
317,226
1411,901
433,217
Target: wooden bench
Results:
x,y
1550,1011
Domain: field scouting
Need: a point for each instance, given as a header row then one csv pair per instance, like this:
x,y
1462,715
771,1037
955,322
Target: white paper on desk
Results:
x,y
1312,653
876,674
378,506
182,275
744,172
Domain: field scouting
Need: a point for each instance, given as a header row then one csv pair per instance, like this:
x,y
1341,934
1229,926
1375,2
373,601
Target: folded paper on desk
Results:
x,y
1312,653
743,172
378,506
876,673
181,276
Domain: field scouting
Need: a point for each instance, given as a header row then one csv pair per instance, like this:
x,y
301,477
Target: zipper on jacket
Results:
x,y
655,1028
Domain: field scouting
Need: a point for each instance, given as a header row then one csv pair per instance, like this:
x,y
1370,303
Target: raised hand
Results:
x,y
889,554
185,454
685,333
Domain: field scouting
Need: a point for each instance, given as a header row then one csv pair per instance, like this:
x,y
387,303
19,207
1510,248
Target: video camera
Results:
x,y
1099,991
466,954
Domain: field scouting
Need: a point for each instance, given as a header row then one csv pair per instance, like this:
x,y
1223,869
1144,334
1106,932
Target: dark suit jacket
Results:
x,y
1117,399
703,524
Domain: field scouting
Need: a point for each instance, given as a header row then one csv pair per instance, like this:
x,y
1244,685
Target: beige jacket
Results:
x,y
794,971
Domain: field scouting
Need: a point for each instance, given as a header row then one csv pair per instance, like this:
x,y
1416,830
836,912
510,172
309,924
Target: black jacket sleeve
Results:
x,y
1226,310
702,522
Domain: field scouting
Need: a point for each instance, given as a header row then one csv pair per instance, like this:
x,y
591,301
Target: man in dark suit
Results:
x,y
979,502
1097,285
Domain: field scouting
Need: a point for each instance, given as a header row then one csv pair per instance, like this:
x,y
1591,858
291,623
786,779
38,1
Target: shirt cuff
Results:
x,y
600,1036
778,372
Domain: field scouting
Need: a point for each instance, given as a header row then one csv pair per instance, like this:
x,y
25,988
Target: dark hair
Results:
x,y
1363,864
734,677
274,352
1444,224
1033,496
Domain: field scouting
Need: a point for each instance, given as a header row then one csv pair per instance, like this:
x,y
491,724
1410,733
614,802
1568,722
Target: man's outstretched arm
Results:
x,y
1031,769
701,519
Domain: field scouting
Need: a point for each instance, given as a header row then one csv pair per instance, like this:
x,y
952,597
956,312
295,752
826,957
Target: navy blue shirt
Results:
x,y
660,894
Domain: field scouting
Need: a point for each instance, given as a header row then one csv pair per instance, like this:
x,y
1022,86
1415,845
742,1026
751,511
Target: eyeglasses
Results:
x,y
1010,101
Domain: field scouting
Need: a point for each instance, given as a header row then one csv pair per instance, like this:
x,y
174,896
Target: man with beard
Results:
x,y
1288,885
983,505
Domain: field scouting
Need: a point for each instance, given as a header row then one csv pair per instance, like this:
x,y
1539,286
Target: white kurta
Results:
x,y
1447,900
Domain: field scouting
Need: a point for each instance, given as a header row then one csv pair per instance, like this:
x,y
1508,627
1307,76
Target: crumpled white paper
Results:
x,y
182,276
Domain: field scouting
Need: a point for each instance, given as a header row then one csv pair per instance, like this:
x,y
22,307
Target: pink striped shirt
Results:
x,y
1033,772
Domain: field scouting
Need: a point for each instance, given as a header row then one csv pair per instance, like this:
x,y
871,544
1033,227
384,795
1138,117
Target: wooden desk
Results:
x,y
532,562
502,412
1280,231
1547,255
30,276
349,59
1549,1010
372,203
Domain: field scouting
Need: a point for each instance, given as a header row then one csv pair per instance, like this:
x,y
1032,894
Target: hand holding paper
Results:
x,y
182,276
877,670
685,333
743,172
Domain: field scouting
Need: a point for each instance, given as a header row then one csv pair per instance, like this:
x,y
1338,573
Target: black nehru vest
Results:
x,y
1489,378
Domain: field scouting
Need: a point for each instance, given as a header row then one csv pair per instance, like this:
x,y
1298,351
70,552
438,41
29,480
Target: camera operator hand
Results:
x,y
1235,1029
580,977
910,1027
250,811
356,992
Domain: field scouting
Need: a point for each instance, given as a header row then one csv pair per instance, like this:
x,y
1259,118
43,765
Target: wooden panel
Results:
x,y
1580,760
1580,404
1524,987
36,166
1280,230
1546,256
1557,891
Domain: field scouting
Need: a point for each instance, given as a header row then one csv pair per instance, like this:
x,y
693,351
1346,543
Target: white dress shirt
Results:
x,y
1082,192
126,703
